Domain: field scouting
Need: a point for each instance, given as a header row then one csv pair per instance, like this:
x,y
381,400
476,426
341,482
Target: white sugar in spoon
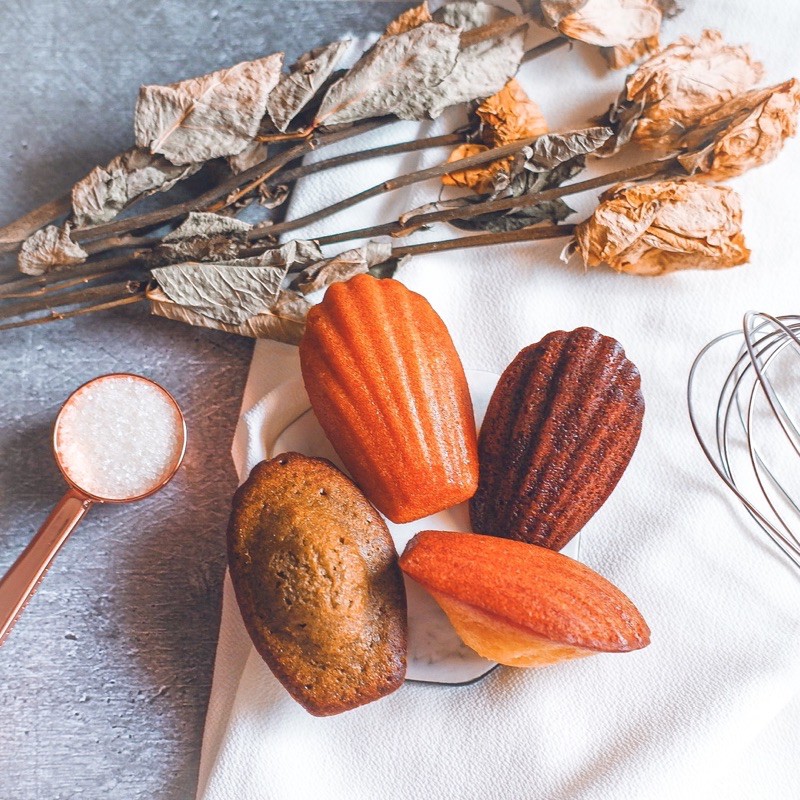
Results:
x,y
117,438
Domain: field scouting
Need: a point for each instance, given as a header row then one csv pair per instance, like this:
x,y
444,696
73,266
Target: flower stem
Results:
x,y
477,160
413,223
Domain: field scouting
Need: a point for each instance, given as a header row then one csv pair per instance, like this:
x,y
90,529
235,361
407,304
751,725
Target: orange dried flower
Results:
x,y
743,133
412,18
508,116
654,228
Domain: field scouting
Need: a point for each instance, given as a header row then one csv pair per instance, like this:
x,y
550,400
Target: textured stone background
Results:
x,y
104,682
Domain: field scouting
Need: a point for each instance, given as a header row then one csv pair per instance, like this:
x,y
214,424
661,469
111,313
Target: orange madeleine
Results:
x,y
520,604
389,390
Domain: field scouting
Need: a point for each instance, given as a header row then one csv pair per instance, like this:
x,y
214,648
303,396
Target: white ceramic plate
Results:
x,y
435,653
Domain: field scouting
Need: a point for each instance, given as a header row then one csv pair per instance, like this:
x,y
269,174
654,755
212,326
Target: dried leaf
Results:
x,y
552,149
481,70
743,133
623,55
273,196
342,267
675,89
105,191
388,79
49,249
233,291
468,14
654,228
509,115
204,223
208,117
283,322
412,18
298,87
220,247
253,154
516,218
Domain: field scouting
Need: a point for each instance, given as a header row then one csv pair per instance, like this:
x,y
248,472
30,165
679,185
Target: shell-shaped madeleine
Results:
x,y
389,391
315,573
559,432
522,605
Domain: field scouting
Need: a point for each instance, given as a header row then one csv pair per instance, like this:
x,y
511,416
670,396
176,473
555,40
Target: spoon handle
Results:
x,y
28,571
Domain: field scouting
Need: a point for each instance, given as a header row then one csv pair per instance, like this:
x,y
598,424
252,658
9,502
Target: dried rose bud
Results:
x,y
510,115
653,228
507,116
745,132
625,29
674,89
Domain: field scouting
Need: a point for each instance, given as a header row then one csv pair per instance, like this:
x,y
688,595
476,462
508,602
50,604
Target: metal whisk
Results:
x,y
755,445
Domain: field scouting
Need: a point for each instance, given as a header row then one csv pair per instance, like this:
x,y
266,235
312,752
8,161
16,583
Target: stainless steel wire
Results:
x,y
753,439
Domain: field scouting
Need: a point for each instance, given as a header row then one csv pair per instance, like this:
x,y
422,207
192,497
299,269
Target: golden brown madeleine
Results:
x,y
559,432
316,578
389,390
522,605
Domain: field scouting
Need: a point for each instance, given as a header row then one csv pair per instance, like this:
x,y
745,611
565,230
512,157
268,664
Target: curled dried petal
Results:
x,y
743,133
654,228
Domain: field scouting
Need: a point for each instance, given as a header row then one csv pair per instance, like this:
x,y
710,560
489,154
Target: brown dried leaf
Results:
x,y
392,76
253,154
105,191
468,14
207,117
654,228
48,249
283,322
412,18
743,133
342,267
675,89
204,223
300,84
233,291
481,70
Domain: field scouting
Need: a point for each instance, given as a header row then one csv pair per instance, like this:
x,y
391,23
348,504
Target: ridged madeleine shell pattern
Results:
x,y
531,589
389,390
559,432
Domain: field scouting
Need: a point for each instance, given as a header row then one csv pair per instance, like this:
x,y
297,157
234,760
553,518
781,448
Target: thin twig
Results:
x,y
411,224
530,234
85,295
545,47
56,315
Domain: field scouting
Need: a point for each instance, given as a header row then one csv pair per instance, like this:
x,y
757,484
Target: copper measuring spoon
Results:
x,y
28,571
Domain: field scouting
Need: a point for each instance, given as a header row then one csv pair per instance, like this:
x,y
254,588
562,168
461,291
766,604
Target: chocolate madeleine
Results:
x,y
316,577
559,432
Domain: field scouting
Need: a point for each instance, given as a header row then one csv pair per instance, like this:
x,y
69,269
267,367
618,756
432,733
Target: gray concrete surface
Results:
x,y
104,682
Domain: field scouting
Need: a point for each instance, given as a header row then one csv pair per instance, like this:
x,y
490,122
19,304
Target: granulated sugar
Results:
x,y
119,437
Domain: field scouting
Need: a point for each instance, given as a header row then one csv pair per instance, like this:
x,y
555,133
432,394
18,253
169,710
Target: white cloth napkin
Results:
x,y
712,707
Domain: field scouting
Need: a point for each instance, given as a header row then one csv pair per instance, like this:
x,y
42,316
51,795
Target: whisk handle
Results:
x,y
28,571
